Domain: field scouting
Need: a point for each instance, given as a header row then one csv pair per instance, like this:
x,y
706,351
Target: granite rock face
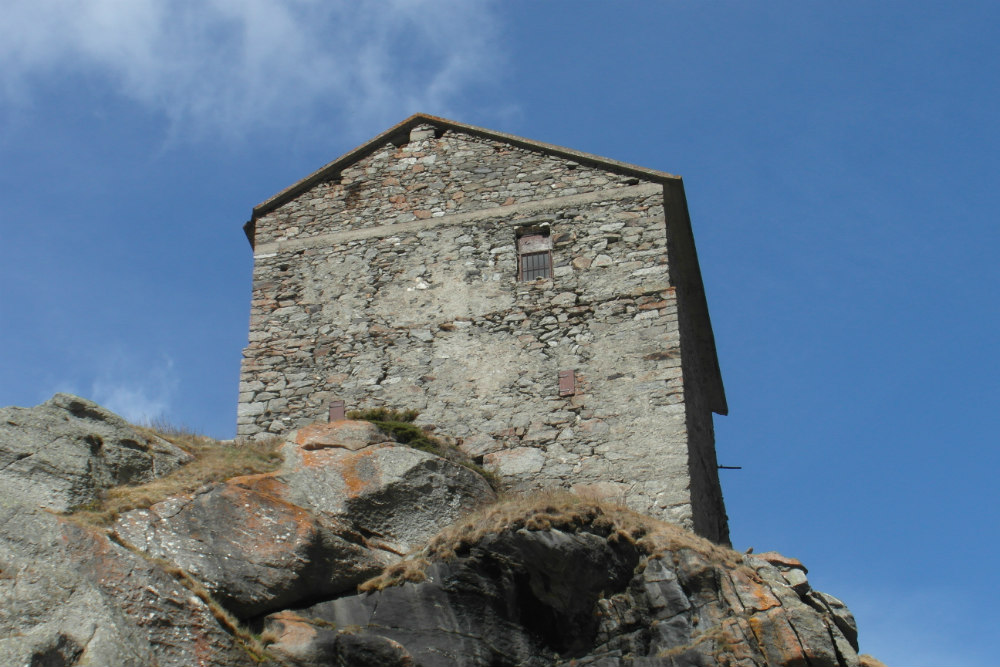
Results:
x,y
62,453
535,582
396,496
254,552
331,517
70,596
587,593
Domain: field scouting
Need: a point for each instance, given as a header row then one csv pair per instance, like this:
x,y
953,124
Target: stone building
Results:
x,y
542,305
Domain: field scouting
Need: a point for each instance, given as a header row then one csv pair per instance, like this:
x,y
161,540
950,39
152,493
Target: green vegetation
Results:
x,y
400,425
384,415
213,461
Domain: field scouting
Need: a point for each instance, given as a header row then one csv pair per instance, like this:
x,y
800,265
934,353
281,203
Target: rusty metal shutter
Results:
x,y
567,383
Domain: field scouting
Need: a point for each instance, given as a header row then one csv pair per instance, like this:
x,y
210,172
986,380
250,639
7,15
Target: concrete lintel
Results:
x,y
526,208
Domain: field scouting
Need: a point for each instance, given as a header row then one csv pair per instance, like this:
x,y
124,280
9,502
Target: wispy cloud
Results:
x,y
139,400
233,65
139,390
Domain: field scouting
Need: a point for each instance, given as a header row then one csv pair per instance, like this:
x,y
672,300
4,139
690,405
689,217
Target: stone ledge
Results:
x,y
270,249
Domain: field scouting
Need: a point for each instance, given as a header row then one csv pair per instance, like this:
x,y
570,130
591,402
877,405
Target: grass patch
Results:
x,y
412,570
399,424
553,509
384,415
870,661
213,461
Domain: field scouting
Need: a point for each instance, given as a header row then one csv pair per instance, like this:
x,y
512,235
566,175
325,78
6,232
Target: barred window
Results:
x,y
536,265
534,256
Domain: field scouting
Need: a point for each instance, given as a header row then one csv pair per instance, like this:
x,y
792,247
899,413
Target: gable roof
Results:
x,y
399,134
676,210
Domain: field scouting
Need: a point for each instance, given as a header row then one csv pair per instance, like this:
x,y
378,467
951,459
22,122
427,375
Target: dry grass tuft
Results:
x,y
214,461
269,636
412,570
547,510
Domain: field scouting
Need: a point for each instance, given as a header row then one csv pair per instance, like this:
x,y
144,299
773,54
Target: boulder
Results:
x,y
254,552
330,518
64,452
538,582
396,496
344,433
586,585
70,596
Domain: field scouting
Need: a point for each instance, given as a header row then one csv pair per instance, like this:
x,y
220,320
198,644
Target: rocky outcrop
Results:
x,y
537,582
346,503
71,596
64,452
573,583
254,552
398,497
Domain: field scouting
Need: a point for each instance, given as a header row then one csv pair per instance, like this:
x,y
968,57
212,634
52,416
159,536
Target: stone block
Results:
x,y
515,462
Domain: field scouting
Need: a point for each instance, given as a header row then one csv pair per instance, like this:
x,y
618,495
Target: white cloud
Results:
x,y
131,402
232,65
139,393
136,389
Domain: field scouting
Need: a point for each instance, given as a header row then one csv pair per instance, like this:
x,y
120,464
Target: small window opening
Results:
x,y
534,256
536,265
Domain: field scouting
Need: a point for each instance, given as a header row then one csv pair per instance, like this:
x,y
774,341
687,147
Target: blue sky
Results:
x,y
838,158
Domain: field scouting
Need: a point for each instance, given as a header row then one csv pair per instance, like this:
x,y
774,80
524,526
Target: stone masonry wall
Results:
x,y
397,286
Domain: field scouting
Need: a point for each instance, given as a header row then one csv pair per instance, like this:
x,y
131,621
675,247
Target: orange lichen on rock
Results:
x,y
267,483
774,558
289,630
344,433
777,639
264,518
359,472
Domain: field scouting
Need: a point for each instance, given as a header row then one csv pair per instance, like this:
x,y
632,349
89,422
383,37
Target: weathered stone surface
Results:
x,y
63,452
842,616
780,561
345,433
479,445
532,584
330,518
254,552
303,642
70,596
515,462
590,596
396,496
